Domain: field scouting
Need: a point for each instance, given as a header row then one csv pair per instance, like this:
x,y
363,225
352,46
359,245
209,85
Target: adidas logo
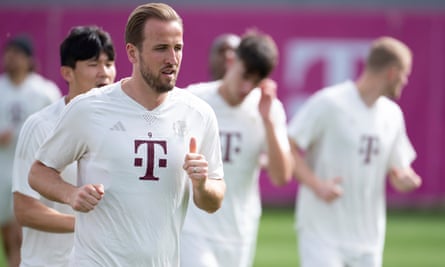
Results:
x,y
119,126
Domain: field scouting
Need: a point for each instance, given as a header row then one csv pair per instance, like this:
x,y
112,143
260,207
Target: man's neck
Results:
x,y
142,94
223,91
18,77
369,89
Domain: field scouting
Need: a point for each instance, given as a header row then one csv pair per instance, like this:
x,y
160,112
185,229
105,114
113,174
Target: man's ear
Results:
x,y
132,53
66,73
392,72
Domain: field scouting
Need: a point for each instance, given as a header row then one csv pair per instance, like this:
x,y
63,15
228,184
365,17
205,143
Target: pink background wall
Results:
x,y
318,47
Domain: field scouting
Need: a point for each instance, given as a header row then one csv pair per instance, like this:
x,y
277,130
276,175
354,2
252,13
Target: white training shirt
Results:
x,y
243,141
41,248
17,102
138,155
343,137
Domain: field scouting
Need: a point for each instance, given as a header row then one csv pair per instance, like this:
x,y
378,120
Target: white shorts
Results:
x,y
197,251
315,252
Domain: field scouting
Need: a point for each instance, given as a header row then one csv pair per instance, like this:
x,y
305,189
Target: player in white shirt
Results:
x,y
252,125
22,92
87,61
354,136
138,143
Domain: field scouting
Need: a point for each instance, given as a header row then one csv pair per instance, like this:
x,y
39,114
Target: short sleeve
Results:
x,y
30,138
68,141
308,122
402,153
211,147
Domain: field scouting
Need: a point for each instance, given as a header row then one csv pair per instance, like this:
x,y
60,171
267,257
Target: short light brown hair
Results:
x,y
258,52
387,51
136,21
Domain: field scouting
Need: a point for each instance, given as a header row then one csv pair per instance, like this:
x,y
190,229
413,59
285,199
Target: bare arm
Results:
x,y
30,212
328,190
279,164
48,182
207,193
404,180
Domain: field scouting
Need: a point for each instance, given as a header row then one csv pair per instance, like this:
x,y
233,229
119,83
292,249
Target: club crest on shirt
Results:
x,y
180,128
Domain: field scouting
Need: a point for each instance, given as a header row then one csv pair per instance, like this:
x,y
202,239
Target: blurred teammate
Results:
x,y
136,141
221,51
22,92
353,136
87,61
252,123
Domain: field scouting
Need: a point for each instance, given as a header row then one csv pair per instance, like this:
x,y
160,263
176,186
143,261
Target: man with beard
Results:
x,y
136,142
353,136
87,61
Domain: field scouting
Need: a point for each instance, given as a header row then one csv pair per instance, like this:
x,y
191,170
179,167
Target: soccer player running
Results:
x,y
353,136
139,143
87,61
252,125
22,92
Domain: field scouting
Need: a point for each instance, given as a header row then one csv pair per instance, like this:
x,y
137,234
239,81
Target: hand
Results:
x,y
268,93
85,198
195,164
404,180
329,190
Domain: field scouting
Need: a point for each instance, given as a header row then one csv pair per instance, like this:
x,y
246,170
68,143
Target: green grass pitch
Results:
x,y
413,239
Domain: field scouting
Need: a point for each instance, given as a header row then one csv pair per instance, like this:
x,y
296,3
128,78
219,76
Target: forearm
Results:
x,y
404,180
209,195
327,189
49,183
279,166
302,172
32,213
